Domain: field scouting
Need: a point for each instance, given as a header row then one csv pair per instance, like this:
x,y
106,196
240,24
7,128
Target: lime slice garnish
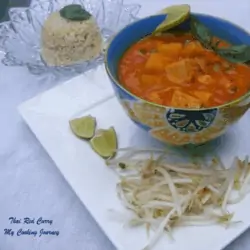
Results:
x,y
104,142
83,127
176,14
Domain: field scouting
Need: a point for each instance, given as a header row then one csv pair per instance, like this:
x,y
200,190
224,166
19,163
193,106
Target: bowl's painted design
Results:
x,y
161,129
190,121
169,125
233,112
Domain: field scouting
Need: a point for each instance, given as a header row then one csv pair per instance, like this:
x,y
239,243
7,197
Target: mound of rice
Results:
x,y
66,42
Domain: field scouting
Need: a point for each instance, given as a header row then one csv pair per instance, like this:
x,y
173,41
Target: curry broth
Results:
x,y
174,69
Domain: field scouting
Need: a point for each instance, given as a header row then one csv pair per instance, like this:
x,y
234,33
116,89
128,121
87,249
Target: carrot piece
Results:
x,y
180,99
155,63
170,49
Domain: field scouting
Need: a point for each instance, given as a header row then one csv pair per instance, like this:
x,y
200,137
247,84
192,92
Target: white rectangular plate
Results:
x,y
95,184
48,114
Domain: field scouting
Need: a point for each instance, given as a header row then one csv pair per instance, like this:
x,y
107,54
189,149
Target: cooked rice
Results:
x,y
65,42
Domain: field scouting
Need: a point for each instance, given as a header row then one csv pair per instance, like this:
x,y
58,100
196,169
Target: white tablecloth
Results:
x,y
30,184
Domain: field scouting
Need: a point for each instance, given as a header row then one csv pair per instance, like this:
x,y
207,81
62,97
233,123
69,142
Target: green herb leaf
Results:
x,y
122,165
201,32
216,45
235,54
75,12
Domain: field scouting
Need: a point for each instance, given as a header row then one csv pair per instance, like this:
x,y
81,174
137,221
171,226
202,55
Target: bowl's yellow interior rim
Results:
x,y
232,103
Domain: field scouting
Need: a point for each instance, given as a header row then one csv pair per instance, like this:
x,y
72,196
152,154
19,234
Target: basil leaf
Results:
x,y
75,12
201,32
236,53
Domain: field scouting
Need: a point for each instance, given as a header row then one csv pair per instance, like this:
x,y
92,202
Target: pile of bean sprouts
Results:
x,y
165,194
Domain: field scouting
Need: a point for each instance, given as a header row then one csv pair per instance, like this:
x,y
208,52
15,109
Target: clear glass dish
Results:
x,y
20,37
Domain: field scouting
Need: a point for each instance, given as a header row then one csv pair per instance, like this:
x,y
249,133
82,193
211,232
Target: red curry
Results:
x,y
175,70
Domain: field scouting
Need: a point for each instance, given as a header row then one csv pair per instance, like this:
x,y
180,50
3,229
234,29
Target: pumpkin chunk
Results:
x,y
155,63
180,99
170,49
205,79
202,95
148,79
180,72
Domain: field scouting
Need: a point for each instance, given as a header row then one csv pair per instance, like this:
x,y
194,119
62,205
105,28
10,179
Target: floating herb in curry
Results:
x,y
234,53
201,32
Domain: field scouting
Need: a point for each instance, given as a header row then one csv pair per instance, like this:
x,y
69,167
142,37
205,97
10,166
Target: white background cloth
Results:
x,y
30,184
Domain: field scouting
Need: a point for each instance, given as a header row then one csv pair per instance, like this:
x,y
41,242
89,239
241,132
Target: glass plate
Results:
x,y
20,37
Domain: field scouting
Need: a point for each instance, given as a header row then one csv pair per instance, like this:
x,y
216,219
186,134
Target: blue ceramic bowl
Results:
x,y
168,124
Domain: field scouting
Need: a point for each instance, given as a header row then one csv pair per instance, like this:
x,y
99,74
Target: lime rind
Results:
x,y
176,14
83,127
104,143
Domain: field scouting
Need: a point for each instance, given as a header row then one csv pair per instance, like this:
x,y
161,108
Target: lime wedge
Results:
x,y
176,14
104,142
83,127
